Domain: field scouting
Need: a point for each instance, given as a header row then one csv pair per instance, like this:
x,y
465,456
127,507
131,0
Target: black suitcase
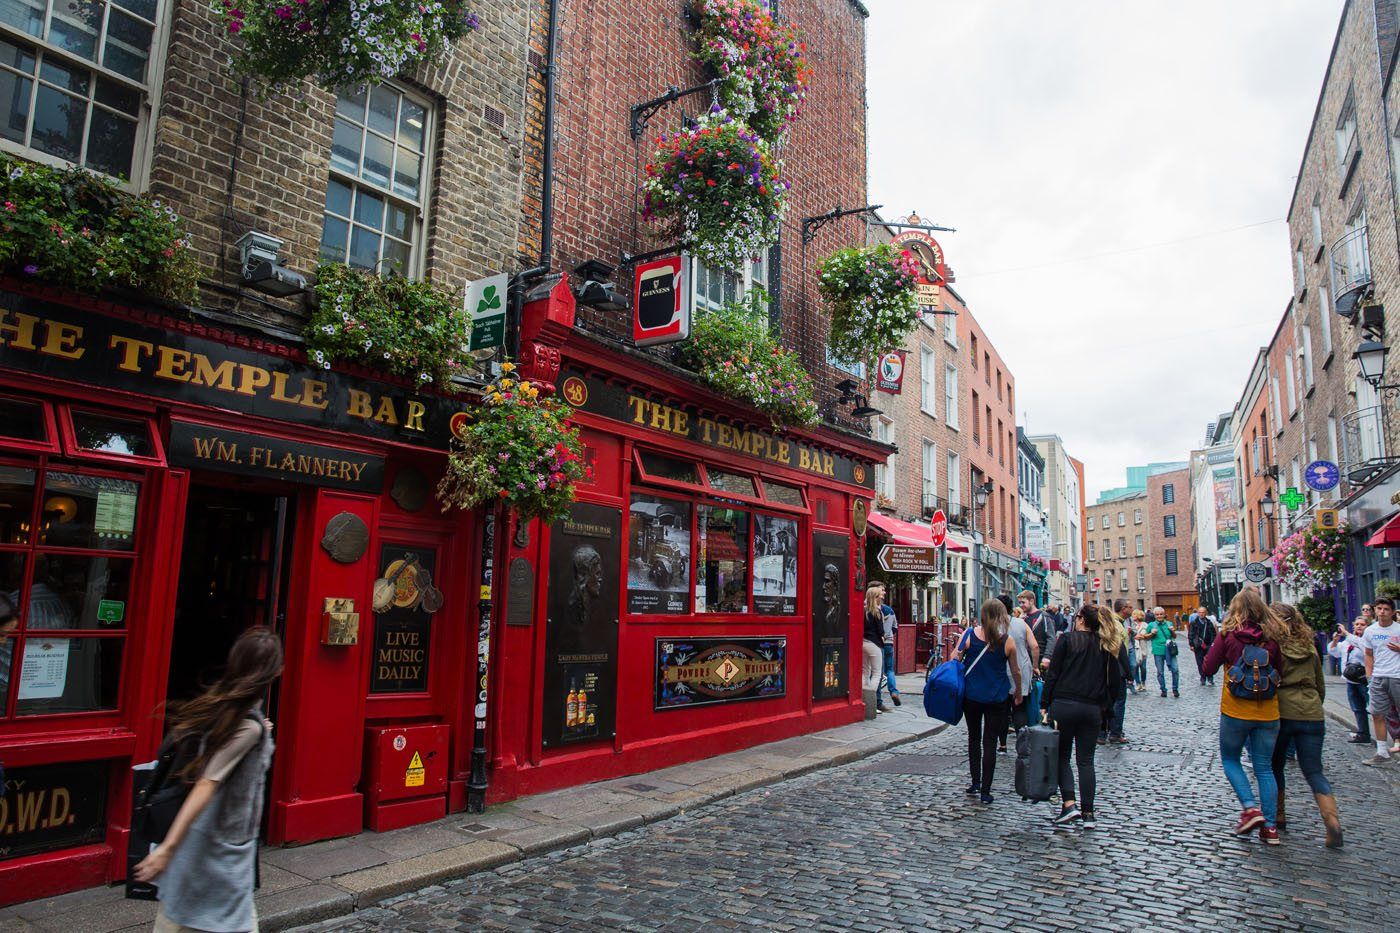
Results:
x,y
1037,762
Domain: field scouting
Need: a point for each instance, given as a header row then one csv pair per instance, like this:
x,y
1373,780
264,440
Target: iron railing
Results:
x,y
1367,444
1351,269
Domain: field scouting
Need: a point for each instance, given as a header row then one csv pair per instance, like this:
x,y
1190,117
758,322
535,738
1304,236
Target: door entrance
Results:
x,y
233,572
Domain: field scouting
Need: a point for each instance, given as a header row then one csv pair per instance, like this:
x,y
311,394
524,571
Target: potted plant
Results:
x,y
870,293
718,189
519,451
760,62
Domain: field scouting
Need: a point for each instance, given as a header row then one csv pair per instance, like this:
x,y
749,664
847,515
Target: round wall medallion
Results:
x,y
410,489
860,513
346,538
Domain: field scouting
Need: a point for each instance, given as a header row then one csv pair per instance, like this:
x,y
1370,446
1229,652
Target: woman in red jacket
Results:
x,y
1250,717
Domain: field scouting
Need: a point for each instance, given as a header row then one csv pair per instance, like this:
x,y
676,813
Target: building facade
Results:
x,y
1035,541
1119,535
1062,500
1170,547
1256,469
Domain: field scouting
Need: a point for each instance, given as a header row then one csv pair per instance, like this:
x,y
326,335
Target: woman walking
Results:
x,y
989,655
1300,695
872,646
1088,673
205,866
1142,640
1349,651
1249,718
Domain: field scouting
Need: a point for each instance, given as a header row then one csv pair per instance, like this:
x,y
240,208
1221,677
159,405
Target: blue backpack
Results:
x,y
945,689
1252,677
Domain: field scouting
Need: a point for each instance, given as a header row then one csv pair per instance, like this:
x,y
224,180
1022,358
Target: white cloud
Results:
x,y
1053,131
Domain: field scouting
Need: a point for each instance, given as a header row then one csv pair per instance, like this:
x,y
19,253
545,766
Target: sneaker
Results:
x,y
1377,759
882,708
1360,739
1103,740
1268,835
1067,815
1087,819
1248,820
986,798
1164,694
1175,695
1118,739
897,701
1001,749
973,790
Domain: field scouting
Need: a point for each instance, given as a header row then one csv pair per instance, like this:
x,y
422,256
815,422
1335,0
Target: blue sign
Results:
x,y
1322,475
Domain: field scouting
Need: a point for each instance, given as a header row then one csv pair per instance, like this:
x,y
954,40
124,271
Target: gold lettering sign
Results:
x,y
200,446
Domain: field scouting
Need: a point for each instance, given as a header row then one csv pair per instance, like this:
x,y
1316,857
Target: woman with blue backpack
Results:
x,y
1248,647
988,655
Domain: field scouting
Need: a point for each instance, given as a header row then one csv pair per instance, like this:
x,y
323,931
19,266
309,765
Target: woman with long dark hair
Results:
x,y
206,864
1087,674
1300,720
989,655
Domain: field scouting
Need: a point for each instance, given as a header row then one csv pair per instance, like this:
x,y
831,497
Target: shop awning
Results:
x,y
914,534
1388,535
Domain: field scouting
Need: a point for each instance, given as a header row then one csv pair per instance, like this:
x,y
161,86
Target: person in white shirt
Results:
x,y
1382,641
1347,649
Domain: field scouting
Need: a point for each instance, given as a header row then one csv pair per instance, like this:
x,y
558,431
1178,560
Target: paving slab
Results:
x,y
375,884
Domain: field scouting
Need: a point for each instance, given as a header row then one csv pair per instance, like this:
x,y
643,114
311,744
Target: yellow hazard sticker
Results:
x,y
413,777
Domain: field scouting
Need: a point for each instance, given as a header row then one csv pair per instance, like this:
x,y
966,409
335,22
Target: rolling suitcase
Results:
x,y
1037,751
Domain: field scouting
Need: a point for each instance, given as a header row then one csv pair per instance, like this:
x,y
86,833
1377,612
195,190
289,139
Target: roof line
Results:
x,y
1317,109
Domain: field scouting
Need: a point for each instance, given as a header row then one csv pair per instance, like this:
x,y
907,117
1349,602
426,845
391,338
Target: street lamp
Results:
x,y
1267,504
1371,358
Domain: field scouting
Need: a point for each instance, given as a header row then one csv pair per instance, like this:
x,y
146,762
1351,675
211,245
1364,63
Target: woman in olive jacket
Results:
x,y
1301,721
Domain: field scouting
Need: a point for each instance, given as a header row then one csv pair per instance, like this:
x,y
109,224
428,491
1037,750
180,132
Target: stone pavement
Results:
x,y
891,843
328,879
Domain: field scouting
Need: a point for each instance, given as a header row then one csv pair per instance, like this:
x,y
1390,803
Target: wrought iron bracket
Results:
x,y
643,112
810,225
629,259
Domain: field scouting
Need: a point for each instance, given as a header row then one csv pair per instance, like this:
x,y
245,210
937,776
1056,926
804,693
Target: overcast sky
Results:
x,y
1050,134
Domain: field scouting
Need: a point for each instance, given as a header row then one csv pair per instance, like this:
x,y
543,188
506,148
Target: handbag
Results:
x,y
1173,649
946,689
1355,672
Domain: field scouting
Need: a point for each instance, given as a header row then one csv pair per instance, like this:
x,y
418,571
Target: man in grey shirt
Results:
x,y
1028,658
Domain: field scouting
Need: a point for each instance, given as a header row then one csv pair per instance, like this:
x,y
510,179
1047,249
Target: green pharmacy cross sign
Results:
x,y
1292,499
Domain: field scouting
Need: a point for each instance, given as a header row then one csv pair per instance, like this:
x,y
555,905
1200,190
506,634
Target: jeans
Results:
x,y
1200,653
986,724
1165,661
1357,696
888,680
1140,669
1306,737
1078,723
1260,737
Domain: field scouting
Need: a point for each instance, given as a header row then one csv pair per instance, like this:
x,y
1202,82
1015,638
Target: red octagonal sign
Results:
x,y
939,526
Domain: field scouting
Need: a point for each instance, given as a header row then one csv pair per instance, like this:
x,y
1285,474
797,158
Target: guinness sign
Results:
x,y
661,301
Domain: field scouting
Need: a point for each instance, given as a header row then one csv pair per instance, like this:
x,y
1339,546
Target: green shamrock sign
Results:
x,y
485,299
490,301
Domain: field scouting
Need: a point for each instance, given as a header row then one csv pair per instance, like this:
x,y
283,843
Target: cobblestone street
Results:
x,y
891,843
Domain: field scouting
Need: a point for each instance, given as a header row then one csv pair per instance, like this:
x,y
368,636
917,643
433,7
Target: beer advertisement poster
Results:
x,y
705,671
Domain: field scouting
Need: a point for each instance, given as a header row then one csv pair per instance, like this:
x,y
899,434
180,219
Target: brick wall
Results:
x,y
1165,588
989,429
231,157
1110,568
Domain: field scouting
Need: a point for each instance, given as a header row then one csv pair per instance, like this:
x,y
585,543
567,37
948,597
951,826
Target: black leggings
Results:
x,y
1078,723
986,723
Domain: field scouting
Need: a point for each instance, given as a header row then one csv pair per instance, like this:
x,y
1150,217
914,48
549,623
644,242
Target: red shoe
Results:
x,y
1248,820
1268,835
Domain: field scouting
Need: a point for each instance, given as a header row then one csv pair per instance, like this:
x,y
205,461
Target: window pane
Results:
x,y
732,482
787,495
16,506
338,198
118,97
89,511
345,147
58,124
146,8
128,46
369,210
383,110
722,556
662,467
74,26
111,143
412,120
14,105
110,435
11,580
395,258
406,172
398,222
364,248
78,593
27,15
7,656
350,102
334,233
22,420
775,565
658,549
69,675
378,154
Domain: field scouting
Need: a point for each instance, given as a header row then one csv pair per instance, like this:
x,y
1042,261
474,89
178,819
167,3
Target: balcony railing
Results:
x,y
1351,270
954,510
1367,444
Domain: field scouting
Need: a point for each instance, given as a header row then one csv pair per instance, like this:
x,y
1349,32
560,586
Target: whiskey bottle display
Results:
x,y
571,708
582,707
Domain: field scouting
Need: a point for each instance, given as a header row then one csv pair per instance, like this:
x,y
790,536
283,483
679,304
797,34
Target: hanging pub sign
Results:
x,y
705,671
831,617
50,807
889,372
930,255
661,301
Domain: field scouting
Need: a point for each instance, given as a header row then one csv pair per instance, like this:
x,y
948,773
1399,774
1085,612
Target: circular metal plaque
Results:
x,y
346,538
410,489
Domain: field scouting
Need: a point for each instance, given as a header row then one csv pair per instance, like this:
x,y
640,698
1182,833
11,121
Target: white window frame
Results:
x,y
851,369
950,396
1122,519
1123,579
1292,385
1137,545
885,484
1137,516
1092,552
1276,405
1091,524
1324,311
150,90
1316,224
1332,438
955,481
1122,546
1346,132
928,394
1142,579
930,469
1308,380
950,329
1299,269
755,273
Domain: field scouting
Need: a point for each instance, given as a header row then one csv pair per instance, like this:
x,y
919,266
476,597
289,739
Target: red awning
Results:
x,y
1389,534
909,533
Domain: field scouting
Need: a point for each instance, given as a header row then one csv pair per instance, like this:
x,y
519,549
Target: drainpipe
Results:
x,y
547,188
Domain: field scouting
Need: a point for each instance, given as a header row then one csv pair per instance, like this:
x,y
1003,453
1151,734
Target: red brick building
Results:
x,y
1171,546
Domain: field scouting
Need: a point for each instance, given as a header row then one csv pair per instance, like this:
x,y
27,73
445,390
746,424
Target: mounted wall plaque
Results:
x,y
346,538
410,489
520,593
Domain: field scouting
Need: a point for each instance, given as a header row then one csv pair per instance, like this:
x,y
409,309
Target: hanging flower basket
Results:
x,y
412,329
77,229
870,293
761,62
718,189
734,353
1311,558
520,451
341,42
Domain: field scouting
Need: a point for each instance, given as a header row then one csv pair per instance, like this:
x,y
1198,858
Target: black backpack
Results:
x,y
160,800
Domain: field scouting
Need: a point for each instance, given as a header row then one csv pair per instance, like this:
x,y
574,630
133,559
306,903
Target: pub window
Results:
x,y
734,483
75,80
111,437
659,468
722,557
783,494
27,424
67,569
375,199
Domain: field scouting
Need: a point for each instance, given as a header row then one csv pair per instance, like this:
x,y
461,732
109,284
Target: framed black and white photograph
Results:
x,y
658,549
774,565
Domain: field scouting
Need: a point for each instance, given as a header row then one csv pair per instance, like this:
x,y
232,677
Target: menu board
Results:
x,y
43,674
831,616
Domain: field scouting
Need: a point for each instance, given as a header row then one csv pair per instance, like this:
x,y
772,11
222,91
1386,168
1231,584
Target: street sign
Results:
x,y
938,524
903,558
1256,572
1098,583
1327,519
660,301
1081,582
889,372
485,304
1322,475
1292,499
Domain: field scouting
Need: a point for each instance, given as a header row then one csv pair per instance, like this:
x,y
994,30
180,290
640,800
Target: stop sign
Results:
x,y
938,525
1098,584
